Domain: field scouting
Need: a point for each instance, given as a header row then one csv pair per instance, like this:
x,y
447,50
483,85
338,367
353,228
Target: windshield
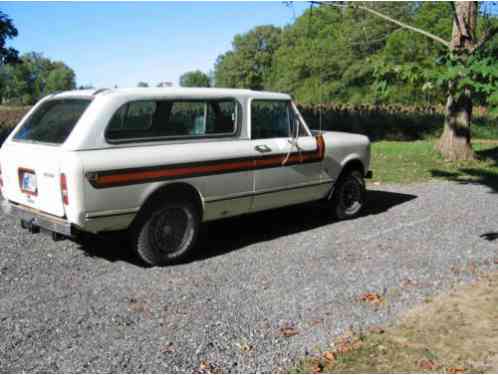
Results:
x,y
53,121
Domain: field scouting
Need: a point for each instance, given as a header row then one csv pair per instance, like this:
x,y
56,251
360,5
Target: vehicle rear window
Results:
x,y
53,121
150,120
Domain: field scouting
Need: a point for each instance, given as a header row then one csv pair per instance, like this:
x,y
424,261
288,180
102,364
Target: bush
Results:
x,y
9,118
392,122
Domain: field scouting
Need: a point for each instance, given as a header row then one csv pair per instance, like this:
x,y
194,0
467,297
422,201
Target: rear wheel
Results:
x,y
167,233
349,195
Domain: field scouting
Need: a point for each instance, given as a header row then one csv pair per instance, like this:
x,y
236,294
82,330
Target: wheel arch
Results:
x,y
352,163
174,190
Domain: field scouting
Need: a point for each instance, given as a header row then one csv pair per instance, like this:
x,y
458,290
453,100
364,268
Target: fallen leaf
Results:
x,y
289,331
208,368
329,356
317,367
372,298
244,348
455,370
427,364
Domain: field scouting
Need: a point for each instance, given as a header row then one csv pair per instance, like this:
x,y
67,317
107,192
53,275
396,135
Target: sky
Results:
x,y
114,43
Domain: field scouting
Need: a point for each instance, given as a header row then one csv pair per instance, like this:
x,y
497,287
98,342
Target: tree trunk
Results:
x,y
455,143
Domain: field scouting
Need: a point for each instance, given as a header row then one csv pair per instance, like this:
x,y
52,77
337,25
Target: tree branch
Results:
x,y
381,15
488,35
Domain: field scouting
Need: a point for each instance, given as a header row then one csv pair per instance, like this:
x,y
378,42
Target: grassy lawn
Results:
x,y
406,162
456,332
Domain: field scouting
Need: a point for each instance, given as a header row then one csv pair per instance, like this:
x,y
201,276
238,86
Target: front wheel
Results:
x,y
349,195
166,234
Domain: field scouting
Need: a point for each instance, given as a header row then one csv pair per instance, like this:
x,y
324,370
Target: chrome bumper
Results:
x,y
35,220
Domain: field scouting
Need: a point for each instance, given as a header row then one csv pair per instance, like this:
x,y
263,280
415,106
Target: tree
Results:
x,y
34,77
7,31
464,46
249,63
195,78
60,78
142,84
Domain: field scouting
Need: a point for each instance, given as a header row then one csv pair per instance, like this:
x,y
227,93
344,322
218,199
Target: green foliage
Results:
x,y
142,84
195,78
249,63
350,56
34,77
7,31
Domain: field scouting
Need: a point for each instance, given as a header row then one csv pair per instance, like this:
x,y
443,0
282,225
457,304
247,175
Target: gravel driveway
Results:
x,y
264,289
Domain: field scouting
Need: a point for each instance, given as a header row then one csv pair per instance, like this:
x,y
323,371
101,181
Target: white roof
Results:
x,y
172,92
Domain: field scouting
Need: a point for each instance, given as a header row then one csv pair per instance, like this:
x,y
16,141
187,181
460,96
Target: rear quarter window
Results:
x,y
53,121
162,119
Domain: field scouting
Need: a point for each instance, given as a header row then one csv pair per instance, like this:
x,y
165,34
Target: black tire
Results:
x,y
349,195
166,233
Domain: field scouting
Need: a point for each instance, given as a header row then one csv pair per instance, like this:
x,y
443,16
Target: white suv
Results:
x,y
159,162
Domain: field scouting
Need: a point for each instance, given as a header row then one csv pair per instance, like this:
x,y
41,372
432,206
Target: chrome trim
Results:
x,y
99,214
39,219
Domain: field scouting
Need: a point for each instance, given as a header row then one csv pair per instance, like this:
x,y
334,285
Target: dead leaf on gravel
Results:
x,y
289,331
208,368
427,364
138,306
347,343
372,297
455,370
244,348
329,356
316,366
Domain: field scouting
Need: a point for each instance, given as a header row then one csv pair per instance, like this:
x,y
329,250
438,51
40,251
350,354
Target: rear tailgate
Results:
x,y
31,176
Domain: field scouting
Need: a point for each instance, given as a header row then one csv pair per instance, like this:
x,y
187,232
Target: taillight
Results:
x,y
65,196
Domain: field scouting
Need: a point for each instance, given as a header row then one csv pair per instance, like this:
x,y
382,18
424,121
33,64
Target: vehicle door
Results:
x,y
279,166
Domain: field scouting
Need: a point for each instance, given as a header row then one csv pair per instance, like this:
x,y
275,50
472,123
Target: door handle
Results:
x,y
262,148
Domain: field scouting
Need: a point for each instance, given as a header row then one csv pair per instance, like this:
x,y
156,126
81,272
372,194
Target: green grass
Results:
x,y
408,162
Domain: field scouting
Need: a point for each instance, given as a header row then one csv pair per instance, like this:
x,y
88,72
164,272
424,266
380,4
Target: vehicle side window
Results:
x,y
148,120
134,116
270,119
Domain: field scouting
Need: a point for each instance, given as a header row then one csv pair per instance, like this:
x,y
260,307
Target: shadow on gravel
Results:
x,y
221,237
490,236
112,246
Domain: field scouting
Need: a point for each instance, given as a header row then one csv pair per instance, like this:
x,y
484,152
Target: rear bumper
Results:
x,y
35,220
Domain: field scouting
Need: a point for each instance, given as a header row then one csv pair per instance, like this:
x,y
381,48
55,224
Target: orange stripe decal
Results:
x,y
106,179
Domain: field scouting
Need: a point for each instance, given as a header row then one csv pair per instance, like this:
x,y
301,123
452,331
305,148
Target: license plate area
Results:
x,y
27,181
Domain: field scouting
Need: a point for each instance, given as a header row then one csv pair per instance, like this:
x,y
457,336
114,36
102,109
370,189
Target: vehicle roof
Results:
x,y
172,92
